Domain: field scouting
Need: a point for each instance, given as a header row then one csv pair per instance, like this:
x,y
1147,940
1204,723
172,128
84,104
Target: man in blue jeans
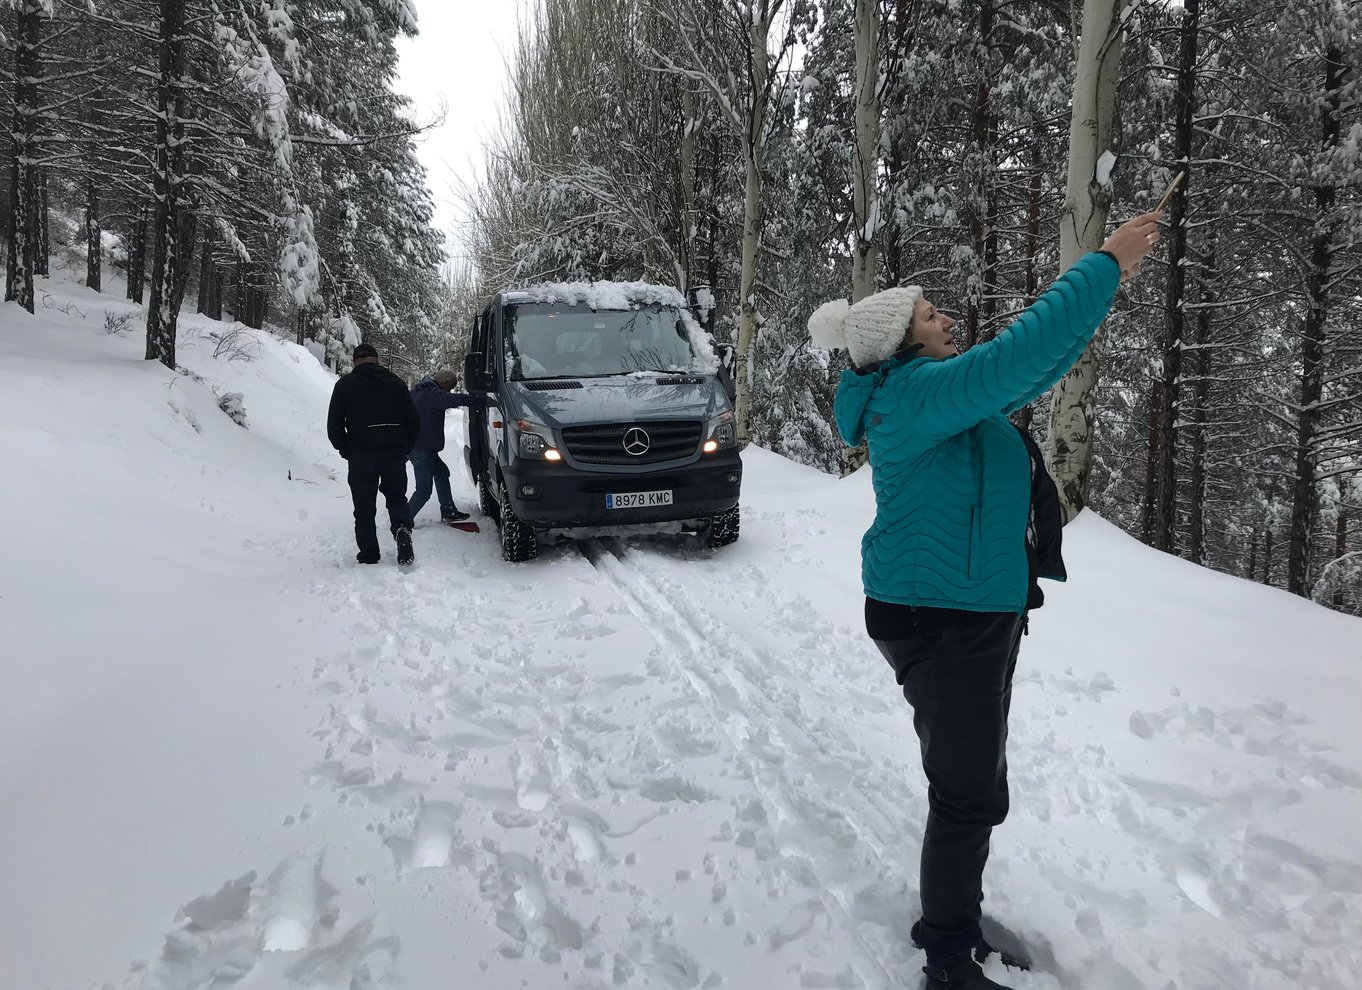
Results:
x,y
433,395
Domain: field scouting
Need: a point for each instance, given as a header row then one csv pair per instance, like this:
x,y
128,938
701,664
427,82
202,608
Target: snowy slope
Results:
x,y
232,757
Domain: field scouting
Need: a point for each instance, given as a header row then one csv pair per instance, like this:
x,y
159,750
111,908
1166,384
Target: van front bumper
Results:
x,y
553,495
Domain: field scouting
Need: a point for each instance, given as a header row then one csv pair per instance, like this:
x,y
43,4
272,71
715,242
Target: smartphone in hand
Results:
x,y
1168,193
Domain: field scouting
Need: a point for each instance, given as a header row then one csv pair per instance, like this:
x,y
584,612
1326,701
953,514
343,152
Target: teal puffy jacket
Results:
x,y
951,475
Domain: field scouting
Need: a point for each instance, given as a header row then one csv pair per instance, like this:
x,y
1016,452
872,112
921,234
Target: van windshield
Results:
x,y
561,341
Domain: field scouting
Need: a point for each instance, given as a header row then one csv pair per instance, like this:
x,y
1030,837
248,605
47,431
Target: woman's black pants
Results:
x,y
956,671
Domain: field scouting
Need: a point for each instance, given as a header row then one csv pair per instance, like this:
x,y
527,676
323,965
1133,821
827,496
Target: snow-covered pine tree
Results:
x,y
275,113
359,174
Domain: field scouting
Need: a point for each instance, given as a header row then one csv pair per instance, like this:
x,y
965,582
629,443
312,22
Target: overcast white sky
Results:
x,y
458,63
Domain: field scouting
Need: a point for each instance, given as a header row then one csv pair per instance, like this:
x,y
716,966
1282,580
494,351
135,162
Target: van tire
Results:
x,y
487,502
518,541
723,529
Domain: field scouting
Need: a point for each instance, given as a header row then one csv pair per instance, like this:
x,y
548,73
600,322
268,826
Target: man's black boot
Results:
x,y
405,553
963,974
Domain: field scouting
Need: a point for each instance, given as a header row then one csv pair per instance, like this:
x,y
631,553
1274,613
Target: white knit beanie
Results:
x,y
870,331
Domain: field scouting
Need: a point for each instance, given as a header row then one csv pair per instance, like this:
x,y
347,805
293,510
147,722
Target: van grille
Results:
x,y
668,440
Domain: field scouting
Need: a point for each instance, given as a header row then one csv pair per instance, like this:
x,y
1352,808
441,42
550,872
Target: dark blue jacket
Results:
x,y
431,404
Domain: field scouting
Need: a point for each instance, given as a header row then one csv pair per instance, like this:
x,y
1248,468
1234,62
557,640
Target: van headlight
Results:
x,y
534,440
721,433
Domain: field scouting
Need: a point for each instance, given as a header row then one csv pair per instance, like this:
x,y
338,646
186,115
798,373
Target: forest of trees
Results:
x,y
247,158
251,158
768,155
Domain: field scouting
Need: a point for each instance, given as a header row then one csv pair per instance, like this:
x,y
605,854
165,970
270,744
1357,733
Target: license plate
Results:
x,y
638,500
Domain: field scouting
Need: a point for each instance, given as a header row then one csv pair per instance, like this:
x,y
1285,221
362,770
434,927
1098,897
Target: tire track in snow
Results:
x,y
532,827
726,698
875,826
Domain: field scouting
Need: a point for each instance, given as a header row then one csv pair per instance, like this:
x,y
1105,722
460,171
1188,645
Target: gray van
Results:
x,y
607,406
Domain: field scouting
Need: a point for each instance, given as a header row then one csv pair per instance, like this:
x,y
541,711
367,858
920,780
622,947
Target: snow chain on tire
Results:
x,y
518,541
723,529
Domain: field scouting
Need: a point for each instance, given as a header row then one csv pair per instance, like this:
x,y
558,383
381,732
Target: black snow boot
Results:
x,y
405,554
962,975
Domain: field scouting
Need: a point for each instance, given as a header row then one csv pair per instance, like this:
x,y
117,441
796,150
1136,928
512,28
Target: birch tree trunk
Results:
x,y
163,313
1025,414
865,254
864,188
1304,495
1083,229
981,190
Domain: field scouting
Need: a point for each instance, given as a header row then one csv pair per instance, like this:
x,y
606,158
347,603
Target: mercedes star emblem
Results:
x,y
636,442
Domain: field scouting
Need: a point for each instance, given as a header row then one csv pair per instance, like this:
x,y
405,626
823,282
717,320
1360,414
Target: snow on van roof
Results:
x,y
600,295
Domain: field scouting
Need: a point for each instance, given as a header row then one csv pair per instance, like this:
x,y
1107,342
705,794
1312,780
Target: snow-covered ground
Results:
x,y
232,757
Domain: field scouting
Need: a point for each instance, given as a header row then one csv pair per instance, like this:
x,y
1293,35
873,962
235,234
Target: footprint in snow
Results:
x,y
528,901
584,829
1193,876
533,784
682,736
299,900
432,841
281,932
798,923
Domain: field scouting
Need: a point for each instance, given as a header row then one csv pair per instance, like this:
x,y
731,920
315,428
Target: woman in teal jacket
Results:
x,y
947,564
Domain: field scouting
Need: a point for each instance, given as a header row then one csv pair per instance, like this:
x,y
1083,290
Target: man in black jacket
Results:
x,y
373,424
433,396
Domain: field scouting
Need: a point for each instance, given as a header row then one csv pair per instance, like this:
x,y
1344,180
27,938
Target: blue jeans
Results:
x,y
428,467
